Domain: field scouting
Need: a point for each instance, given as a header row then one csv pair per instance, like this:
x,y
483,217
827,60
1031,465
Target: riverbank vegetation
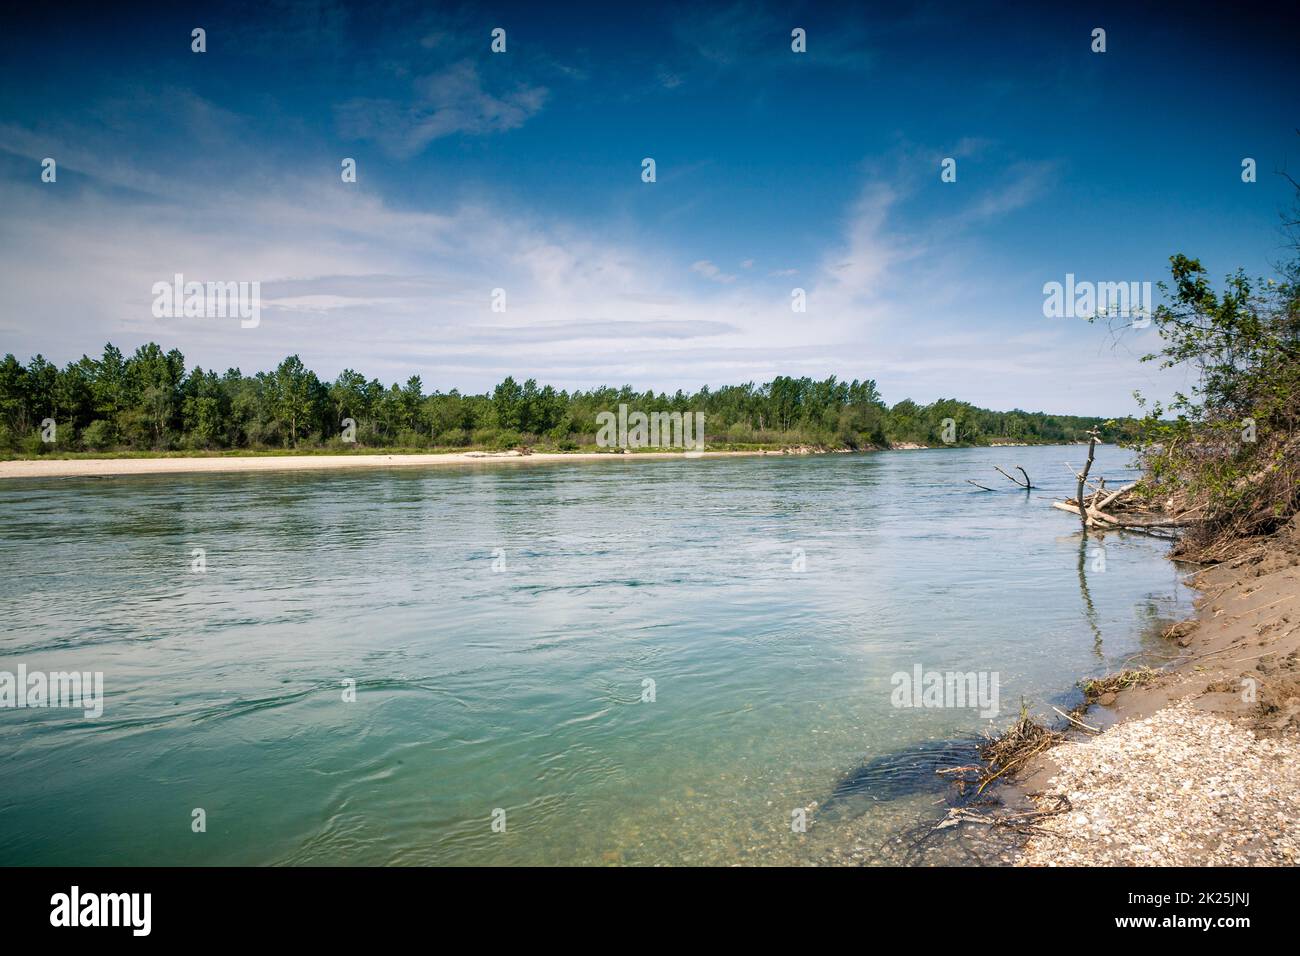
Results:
x,y
150,402
1228,453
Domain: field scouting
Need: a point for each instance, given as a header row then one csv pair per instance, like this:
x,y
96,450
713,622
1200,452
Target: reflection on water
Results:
x,y
1089,609
638,662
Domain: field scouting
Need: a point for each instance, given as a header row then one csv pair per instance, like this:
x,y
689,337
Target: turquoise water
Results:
x,y
522,689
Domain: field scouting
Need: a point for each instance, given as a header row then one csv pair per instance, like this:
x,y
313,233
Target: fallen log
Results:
x,y
1122,522
1093,517
1115,495
1097,495
1157,523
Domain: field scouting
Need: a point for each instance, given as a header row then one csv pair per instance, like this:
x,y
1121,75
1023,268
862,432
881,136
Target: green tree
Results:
x,y
294,391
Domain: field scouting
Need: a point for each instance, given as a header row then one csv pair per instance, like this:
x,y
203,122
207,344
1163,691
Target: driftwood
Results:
x,y
1101,490
1023,821
1115,495
1075,720
1122,522
1026,484
1091,513
1083,477
1091,509
1074,471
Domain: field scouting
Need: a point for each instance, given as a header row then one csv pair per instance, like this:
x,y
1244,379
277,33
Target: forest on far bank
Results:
x,y
150,401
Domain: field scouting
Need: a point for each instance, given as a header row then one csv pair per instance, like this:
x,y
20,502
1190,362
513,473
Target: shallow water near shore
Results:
x,y
769,600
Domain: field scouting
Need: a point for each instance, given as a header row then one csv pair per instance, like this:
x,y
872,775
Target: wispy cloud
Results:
x,y
1022,183
350,279
450,101
753,36
707,269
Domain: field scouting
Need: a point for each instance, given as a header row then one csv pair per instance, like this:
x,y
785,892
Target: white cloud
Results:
x,y
450,101
349,281
707,269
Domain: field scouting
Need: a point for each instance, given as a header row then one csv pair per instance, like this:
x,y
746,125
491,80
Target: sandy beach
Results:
x,y
123,467
1198,768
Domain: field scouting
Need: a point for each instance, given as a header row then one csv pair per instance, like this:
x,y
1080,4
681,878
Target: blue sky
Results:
x,y
521,171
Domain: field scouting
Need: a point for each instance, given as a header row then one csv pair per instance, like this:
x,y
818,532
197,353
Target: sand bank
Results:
x,y
1201,767
115,467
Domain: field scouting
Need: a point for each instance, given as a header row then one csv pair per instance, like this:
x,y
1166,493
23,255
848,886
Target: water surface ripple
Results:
x,y
522,689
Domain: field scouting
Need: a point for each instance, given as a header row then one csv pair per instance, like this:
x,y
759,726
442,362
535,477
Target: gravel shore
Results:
x,y
1203,766
1179,788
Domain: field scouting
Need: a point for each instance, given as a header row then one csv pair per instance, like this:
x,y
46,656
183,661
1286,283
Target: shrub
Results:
x,y
99,435
454,438
1231,453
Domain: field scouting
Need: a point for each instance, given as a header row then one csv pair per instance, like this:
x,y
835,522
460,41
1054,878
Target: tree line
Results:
x,y
150,401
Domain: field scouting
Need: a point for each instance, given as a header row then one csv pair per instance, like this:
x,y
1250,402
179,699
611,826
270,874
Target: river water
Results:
x,y
635,662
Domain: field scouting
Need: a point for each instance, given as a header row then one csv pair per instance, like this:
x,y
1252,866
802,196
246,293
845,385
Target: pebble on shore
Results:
x,y
1180,788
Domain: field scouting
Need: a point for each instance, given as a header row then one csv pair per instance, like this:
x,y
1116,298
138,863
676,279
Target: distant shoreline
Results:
x,y
199,463
191,465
